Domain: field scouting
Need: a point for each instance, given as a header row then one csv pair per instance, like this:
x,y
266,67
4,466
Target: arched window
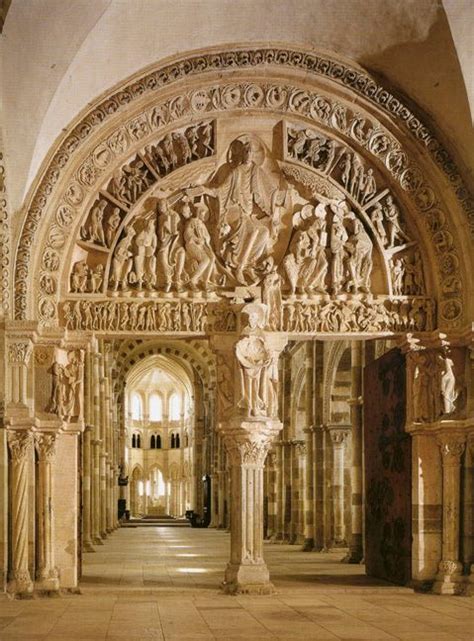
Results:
x,y
134,440
172,442
158,442
152,442
155,408
136,407
139,440
174,408
176,441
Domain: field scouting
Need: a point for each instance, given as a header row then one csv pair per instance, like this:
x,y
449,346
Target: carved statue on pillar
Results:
x,y
66,391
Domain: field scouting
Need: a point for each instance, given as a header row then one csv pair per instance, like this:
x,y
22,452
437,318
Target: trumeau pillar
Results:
x,y
19,442
46,572
248,423
356,405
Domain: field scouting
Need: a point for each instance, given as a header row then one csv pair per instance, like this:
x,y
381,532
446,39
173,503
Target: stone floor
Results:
x,y
151,584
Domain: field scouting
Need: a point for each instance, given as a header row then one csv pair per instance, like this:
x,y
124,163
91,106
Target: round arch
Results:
x,y
307,94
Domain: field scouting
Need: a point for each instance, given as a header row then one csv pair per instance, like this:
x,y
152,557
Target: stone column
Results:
x,y
19,442
46,573
280,492
308,543
87,490
247,442
356,405
338,437
449,579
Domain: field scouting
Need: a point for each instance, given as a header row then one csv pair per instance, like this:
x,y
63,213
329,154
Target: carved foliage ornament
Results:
x,y
19,444
357,80
19,352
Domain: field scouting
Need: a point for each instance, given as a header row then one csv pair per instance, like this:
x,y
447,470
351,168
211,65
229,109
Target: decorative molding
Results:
x,y
254,97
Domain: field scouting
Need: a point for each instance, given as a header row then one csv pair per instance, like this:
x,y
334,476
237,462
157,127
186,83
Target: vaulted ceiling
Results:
x,y
59,56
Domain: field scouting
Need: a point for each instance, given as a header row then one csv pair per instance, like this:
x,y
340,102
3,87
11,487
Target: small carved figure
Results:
x,y
197,242
122,260
392,217
359,247
96,278
271,296
111,226
338,241
449,387
254,358
171,255
80,274
398,273
96,231
377,216
144,259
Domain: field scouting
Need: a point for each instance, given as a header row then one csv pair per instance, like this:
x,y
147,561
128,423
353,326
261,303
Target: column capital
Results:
x,y
451,447
19,442
45,444
19,350
359,400
338,434
247,441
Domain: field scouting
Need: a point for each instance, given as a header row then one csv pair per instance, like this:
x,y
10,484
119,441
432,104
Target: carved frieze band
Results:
x,y
339,314
278,98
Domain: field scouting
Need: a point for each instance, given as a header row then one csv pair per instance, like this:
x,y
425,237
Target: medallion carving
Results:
x,y
337,157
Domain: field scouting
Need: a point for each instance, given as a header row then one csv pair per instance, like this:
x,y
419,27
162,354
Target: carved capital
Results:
x,y
451,448
338,435
19,443
19,352
45,445
248,442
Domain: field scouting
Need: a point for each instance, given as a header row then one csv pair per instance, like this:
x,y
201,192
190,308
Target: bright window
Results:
x,y
156,408
175,408
136,407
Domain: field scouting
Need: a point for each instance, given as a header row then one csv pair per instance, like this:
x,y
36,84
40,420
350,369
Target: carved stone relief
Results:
x,y
318,107
67,382
437,385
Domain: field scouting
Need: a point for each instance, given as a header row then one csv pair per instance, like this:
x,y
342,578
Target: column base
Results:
x,y
354,556
21,586
47,586
449,579
88,546
247,579
97,541
308,545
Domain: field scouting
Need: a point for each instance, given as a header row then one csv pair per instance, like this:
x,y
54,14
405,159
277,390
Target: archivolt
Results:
x,y
217,81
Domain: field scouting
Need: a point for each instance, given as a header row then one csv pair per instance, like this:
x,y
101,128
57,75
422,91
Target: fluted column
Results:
x,y
338,437
356,405
46,572
19,442
247,443
449,579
